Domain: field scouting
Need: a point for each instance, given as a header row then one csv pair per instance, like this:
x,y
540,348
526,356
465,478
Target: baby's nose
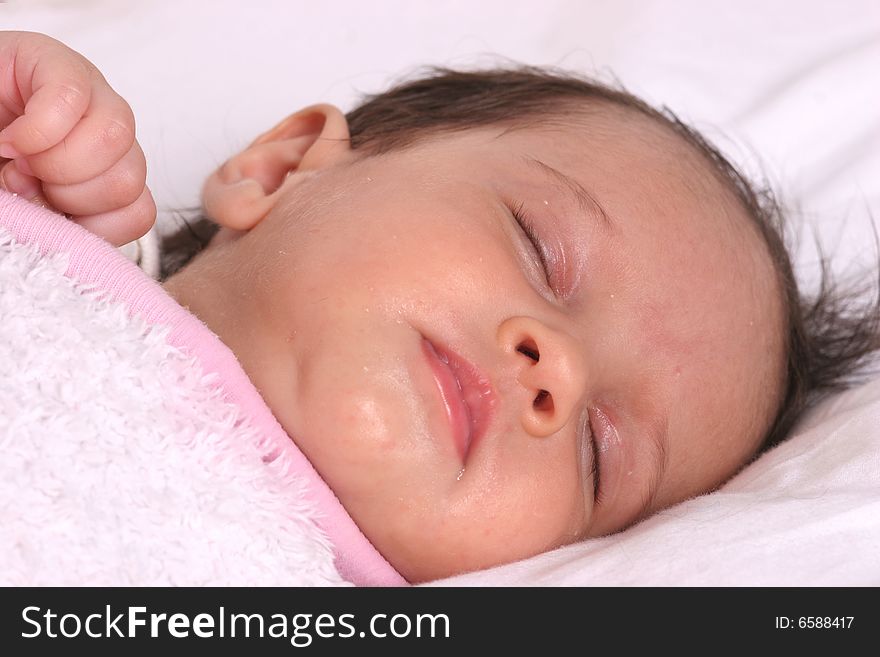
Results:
x,y
549,365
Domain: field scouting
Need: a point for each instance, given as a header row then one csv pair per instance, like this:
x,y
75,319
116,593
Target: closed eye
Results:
x,y
528,228
594,469
589,458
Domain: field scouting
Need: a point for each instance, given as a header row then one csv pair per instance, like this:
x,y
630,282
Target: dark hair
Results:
x,y
828,336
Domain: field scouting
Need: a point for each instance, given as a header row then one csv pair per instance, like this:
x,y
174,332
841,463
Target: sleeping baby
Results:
x,y
498,311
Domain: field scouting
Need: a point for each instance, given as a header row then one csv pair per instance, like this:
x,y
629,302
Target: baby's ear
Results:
x,y
241,193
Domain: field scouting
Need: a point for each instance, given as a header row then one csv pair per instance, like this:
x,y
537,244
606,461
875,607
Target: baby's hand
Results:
x,y
70,139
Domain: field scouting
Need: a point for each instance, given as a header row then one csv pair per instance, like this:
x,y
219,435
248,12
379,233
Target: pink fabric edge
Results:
x,y
93,260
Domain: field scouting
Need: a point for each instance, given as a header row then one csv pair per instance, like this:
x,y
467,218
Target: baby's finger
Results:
x,y
100,140
56,87
116,188
122,226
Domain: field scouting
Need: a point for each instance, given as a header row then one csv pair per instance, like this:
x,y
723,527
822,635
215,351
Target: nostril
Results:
x,y
530,349
543,402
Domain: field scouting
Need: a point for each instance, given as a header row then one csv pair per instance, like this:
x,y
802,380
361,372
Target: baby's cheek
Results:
x,y
537,488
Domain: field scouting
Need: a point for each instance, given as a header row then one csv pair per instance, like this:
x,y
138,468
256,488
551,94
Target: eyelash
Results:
x,y
597,479
525,223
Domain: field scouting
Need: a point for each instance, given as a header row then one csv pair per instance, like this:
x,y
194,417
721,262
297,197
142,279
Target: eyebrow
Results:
x,y
585,200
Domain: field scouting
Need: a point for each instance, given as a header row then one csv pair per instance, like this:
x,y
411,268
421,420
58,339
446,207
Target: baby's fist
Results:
x,y
70,139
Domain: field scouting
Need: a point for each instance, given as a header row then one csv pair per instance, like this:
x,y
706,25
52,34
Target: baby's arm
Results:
x,y
67,140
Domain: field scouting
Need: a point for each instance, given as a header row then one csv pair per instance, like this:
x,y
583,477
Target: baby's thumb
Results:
x,y
16,182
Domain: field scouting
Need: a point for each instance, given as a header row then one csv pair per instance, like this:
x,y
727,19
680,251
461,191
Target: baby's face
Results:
x,y
450,390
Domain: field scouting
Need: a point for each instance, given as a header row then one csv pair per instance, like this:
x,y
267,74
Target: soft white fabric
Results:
x,y
784,90
121,463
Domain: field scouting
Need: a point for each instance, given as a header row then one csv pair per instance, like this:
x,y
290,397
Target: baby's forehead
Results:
x,y
649,144
617,147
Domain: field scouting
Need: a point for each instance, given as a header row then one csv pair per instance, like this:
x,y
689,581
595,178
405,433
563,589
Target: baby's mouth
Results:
x,y
467,395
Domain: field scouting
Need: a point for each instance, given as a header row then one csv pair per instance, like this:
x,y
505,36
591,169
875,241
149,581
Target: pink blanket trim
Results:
x,y
94,261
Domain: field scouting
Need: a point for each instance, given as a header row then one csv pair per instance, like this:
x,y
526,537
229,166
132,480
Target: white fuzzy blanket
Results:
x,y
133,448
121,464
